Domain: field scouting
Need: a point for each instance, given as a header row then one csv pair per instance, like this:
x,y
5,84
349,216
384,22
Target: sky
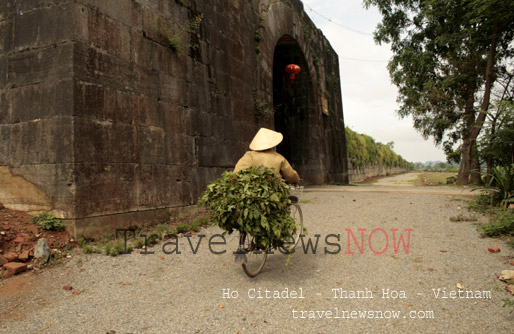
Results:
x,y
369,97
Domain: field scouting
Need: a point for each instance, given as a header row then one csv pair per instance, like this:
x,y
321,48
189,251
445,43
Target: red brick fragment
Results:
x,y
68,287
493,249
3,260
24,256
15,267
11,257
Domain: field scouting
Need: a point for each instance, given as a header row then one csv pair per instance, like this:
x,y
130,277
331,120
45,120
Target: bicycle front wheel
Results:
x,y
255,257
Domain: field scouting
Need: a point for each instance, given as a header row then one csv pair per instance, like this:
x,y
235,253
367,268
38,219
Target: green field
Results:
x,y
433,178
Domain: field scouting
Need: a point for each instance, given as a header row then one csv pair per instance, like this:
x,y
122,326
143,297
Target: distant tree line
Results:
x,y
363,149
436,166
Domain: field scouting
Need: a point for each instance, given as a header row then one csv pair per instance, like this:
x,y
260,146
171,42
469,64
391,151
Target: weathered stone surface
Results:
x,y
48,64
42,251
42,141
125,12
6,33
6,10
55,99
44,26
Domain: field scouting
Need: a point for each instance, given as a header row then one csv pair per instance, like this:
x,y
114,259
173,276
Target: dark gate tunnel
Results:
x,y
293,104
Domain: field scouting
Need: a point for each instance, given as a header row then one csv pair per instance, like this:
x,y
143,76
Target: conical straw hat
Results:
x,y
265,139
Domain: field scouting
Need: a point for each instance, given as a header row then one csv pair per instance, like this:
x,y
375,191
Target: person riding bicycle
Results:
x,y
262,153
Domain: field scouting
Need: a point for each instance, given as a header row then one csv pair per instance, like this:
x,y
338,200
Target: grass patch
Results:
x,y
501,221
147,235
432,178
500,224
463,218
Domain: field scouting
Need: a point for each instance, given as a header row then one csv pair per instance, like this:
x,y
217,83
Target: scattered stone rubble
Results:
x,y
24,246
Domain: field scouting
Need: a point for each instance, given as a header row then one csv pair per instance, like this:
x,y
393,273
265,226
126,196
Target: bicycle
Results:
x,y
253,257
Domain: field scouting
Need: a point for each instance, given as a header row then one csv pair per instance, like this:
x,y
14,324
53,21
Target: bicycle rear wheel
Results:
x,y
296,213
255,257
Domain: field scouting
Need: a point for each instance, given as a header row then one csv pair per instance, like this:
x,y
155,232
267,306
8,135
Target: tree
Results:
x,y
446,57
496,143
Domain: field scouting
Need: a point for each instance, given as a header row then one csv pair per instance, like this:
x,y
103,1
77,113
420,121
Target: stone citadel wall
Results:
x,y
114,112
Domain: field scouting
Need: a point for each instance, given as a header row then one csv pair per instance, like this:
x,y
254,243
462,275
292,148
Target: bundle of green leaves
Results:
x,y
253,201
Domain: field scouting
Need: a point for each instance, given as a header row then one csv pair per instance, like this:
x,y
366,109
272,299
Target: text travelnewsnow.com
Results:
x,y
343,294
378,242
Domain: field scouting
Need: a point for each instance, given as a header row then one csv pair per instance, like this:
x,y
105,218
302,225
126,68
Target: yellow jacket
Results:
x,y
268,158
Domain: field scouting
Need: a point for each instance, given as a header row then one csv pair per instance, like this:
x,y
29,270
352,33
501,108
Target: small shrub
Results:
x,y
139,243
152,238
116,249
500,224
183,228
47,221
88,249
481,204
502,181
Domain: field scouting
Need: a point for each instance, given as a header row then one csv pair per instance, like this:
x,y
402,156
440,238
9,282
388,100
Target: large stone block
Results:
x,y
146,111
214,152
108,35
45,26
105,188
5,138
105,103
95,226
7,9
38,187
4,113
107,142
40,101
163,186
156,56
47,64
198,97
180,149
214,125
30,5
91,65
203,176
151,145
42,141
174,90
89,101
6,36
126,12
3,70
177,120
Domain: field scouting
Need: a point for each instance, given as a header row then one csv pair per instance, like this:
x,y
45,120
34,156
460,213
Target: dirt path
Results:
x,y
184,293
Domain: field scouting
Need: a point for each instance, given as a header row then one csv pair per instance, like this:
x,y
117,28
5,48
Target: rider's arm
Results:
x,y
289,173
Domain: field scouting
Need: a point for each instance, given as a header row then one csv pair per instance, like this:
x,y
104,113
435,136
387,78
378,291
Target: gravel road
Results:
x,y
184,293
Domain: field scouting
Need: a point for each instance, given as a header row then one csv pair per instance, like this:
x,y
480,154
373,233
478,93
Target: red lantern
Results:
x,y
292,69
